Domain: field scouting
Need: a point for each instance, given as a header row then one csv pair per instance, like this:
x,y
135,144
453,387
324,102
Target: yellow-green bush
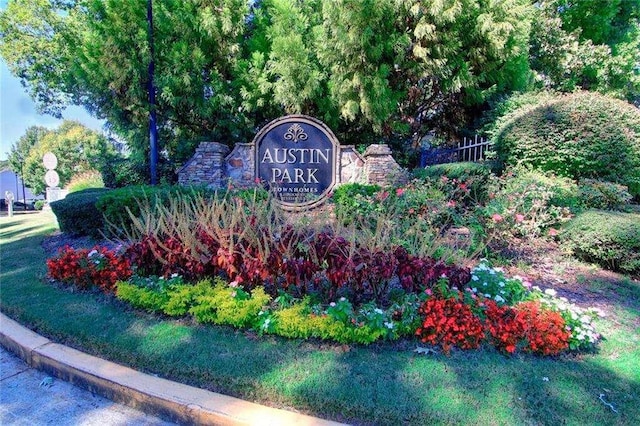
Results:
x,y
141,297
228,306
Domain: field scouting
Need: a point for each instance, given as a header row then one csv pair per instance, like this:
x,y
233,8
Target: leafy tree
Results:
x,y
20,150
588,44
77,149
372,69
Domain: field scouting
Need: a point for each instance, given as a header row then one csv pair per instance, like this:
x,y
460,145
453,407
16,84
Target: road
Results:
x,y
30,397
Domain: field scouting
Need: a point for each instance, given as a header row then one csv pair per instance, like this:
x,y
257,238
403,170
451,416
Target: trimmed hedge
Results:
x,y
77,213
610,239
116,205
582,135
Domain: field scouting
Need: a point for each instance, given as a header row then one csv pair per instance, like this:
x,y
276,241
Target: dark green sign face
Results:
x,y
296,159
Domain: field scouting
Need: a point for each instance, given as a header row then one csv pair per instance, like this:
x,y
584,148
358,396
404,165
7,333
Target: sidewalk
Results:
x,y
159,397
31,397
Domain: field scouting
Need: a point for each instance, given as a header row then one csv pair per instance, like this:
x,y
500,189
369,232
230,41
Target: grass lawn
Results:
x,y
379,384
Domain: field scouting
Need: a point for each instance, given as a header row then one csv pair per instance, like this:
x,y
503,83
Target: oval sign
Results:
x,y
50,161
296,159
51,178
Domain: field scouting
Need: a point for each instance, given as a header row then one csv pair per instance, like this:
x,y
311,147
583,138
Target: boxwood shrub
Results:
x,y
116,204
78,215
582,135
610,239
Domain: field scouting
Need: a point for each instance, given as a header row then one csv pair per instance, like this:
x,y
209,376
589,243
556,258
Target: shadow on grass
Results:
x,y
381,384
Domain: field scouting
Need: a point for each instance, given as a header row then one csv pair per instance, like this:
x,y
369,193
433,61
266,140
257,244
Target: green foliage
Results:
x,y
39,204
589,45
120,205
370,69
354,200
300,322
230,306
141,297
475,177
124,172
86,180
583,135
610,239
528,202
598,194
78,150
77,213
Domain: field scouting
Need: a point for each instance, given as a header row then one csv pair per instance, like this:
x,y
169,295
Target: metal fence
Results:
x,y
468,149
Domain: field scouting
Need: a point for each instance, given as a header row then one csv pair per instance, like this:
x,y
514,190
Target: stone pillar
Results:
x,y
351,166
240,165
206,167
380,167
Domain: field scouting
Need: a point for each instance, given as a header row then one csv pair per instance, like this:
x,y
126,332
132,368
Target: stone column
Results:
x,y
206,167
381,169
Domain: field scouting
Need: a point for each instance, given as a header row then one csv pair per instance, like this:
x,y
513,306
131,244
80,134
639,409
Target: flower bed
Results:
x,y
490,309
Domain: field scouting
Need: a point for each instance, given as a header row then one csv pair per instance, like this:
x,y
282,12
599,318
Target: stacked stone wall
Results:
x,y
213,165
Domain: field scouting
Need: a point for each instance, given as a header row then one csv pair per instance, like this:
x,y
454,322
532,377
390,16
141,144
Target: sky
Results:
x,y
18,112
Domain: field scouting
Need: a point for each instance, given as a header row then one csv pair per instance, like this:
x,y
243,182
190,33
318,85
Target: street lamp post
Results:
x,y
153,129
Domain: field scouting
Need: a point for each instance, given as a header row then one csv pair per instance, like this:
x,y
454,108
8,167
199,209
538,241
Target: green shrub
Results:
x,y
39,204
526,202
86,180
78,215
610,239
118,205
123,172
141,297
582,135
598,194
449,177
354,200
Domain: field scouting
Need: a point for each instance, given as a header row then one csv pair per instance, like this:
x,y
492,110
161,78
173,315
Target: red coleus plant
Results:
x,y
99,266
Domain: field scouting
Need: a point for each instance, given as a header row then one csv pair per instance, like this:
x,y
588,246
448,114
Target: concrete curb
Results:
x,y
160,397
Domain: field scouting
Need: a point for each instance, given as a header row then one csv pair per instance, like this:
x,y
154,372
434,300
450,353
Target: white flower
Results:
x,y
475,290
499,298
332,304
492,272
378,311
487,295
545,379
484,284
443,276
550,292
233,284
92,253
389,325
342,299
501,284
502,292
474,278
174,275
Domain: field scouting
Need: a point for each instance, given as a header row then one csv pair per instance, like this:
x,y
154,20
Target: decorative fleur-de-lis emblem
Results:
x,y
295,133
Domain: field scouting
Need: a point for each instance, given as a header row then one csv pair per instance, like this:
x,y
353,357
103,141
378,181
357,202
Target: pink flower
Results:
x,y
382,195
553,232
497,217
519,218
399,192
428,292
463,186
451,203
444,179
